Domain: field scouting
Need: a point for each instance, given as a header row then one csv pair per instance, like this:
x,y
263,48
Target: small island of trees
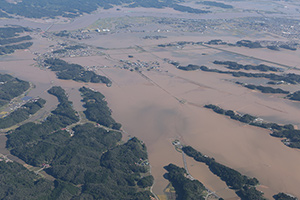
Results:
x,y
264,89
294,96
10,40
282,131
215,4
291,78
97,109
236,66
253,44
243,185
185,188
74,72
283,196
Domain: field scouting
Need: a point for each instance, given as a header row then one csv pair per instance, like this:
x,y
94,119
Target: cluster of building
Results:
x,y
140,65
159,25
13,105
4,158
70,131
142,162
60,51
99,30
288,28
186,25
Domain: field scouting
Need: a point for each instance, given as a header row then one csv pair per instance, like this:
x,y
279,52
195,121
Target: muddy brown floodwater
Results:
x,y
150,110
157,118
159,106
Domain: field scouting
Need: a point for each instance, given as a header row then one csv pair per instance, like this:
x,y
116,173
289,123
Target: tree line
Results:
x,y
243,185
74,72
282,131
97,109
185,188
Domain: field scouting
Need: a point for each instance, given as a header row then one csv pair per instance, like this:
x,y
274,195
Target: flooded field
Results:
x,y
159,119
163,104
149,109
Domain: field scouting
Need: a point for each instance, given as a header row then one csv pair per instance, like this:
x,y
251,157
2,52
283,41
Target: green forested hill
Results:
x,y
22,113
87,162
10,88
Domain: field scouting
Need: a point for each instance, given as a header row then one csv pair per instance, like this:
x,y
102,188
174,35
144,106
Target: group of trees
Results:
x,y
185,188
63,33
282,131
87,162
241,43
288,78
249,44
68,8
251,120
22,113
14,40
74,72
89,165
146,181
264,89
283,196
215,4
292,135
244,186
246,118
12,31
180,43
189,67
252,45
97,109
61,117
236,66
294,96
9,36
17,182
216,42
285,46
273,47
188,9
8,49
11,87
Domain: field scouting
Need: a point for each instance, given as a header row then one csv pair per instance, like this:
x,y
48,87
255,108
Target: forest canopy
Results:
x,y
68,8
10,88
86,161
22,113
10,39
74,72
